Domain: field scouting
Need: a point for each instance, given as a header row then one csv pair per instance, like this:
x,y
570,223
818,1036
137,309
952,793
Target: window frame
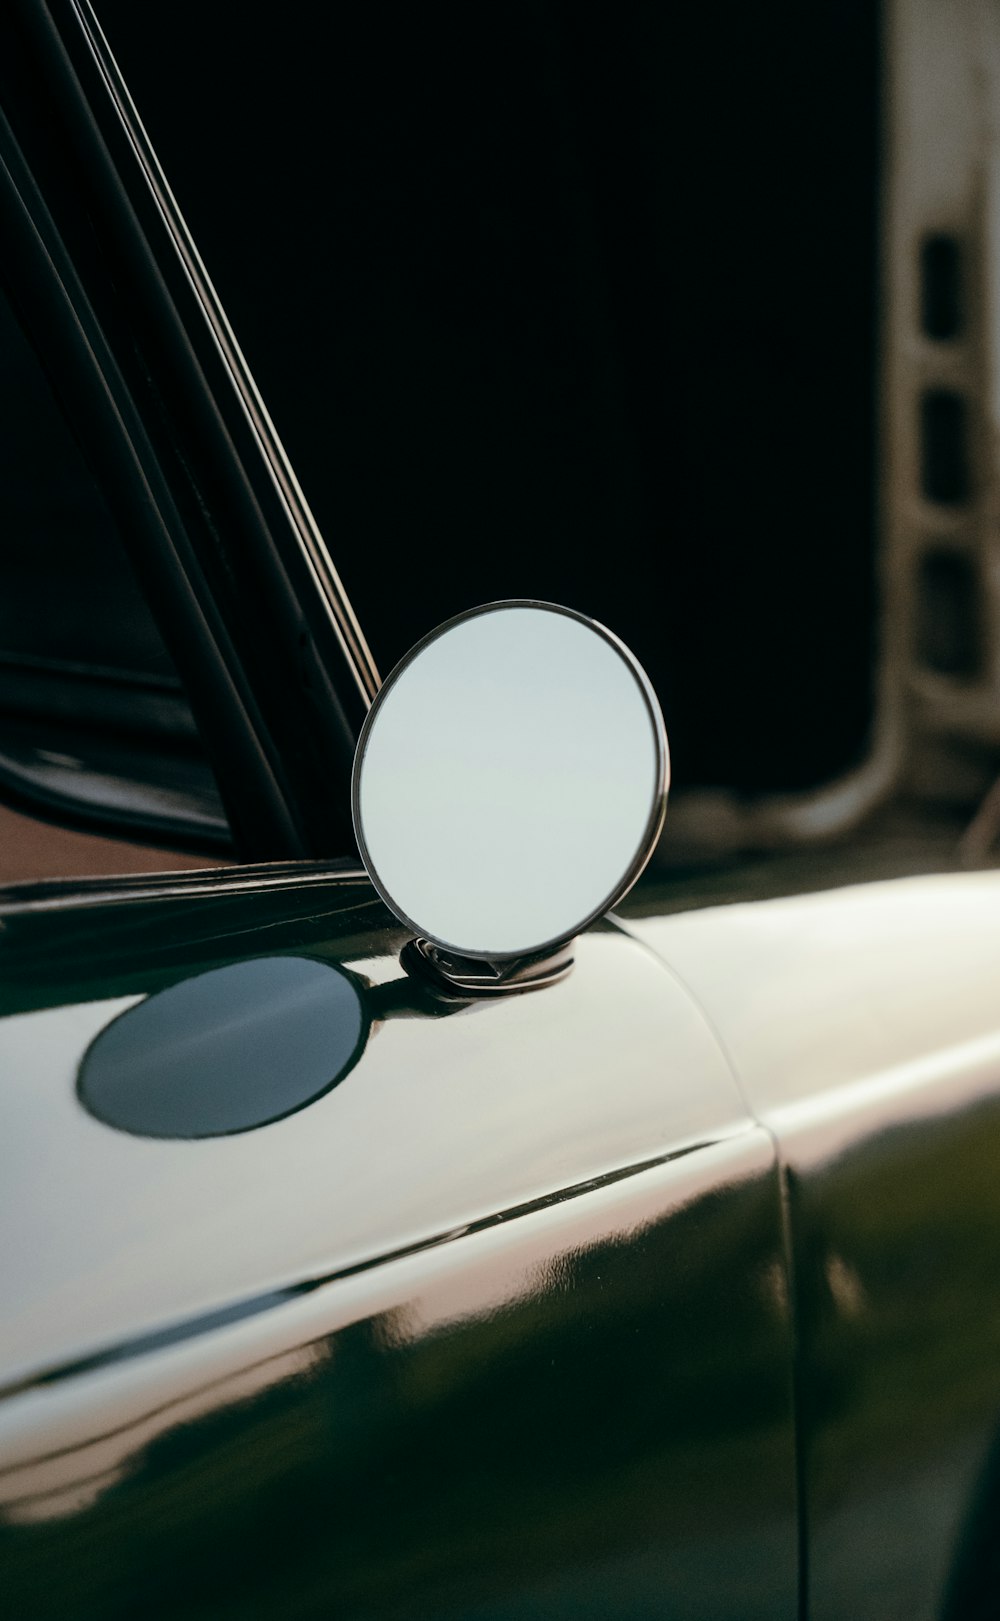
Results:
x,y
109,288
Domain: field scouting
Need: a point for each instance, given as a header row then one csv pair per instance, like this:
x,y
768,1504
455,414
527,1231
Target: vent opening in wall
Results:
x,y
944,451
949,633
941,287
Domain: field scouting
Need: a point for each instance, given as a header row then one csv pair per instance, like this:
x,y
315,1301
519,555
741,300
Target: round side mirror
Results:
x,y
509,784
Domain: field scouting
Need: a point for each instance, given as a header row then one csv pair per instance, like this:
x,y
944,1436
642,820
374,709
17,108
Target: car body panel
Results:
x,y
505,1310
864,1025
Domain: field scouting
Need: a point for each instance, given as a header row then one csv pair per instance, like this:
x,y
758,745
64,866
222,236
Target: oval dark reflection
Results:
x,y
227,1050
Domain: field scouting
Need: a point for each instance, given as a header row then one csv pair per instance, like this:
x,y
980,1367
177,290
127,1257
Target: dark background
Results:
x,y
563,301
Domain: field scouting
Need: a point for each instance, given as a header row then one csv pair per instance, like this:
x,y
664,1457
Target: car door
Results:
x,y
863,1023
497,1325
471,1309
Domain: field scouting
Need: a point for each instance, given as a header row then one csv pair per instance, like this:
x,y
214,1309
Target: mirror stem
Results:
x,y
451,975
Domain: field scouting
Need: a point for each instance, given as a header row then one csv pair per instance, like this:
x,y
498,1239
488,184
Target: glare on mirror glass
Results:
x,y
510,780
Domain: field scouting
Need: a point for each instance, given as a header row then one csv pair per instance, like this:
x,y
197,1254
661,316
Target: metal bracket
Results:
x,y
455,977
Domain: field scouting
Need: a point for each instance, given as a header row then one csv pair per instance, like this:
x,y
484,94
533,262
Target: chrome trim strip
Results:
x,y
57,894
236,1311
328,583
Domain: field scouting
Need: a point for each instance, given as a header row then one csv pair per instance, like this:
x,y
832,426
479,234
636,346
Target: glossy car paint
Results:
x,y
865,1028
499,1326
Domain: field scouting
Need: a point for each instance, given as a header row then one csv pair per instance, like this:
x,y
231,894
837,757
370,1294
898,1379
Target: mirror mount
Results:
x,y
455,977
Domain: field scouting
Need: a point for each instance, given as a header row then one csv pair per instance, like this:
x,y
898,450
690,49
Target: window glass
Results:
x,y
96,734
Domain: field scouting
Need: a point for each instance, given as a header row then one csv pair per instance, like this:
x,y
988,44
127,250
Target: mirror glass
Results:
x,y
510,780
227,1050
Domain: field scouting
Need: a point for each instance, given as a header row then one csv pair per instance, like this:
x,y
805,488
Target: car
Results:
x,y
666,1286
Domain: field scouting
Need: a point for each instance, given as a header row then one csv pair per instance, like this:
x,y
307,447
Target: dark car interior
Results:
x,y
95,729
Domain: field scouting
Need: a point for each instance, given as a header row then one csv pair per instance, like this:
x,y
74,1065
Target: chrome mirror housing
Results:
x,y
509,786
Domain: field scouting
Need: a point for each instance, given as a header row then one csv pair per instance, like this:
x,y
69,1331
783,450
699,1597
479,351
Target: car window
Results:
x,y
563,302
69,598
96,732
